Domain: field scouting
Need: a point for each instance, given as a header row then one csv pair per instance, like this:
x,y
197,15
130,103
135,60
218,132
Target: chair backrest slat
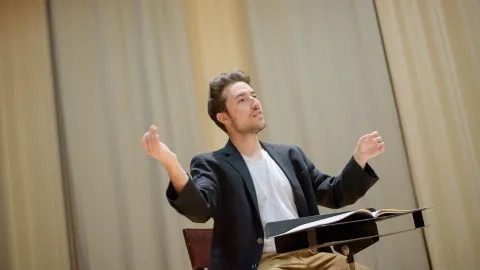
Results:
x,y
198,242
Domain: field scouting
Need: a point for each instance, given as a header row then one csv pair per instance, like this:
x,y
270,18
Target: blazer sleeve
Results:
x,y
346,188
198,199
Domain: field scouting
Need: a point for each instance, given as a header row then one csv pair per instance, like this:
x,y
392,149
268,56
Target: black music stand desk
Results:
x,y
347,233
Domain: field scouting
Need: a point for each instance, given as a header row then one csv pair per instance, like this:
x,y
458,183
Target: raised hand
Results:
x,y
155,148
369,146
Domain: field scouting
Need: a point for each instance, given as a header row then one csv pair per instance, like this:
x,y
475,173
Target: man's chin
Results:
x,y
259,127
252,129
264,125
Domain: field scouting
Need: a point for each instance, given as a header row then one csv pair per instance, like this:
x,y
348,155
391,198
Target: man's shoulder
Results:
x,y
203,155
208,156
282,146
290,150
226,151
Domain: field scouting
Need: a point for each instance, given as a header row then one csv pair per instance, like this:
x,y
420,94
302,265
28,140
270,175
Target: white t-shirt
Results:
x,y
274,193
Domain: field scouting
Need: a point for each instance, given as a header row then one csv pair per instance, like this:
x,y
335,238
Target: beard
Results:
x,y
253,128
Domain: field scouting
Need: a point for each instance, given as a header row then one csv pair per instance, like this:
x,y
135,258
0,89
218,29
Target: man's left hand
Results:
x,y
368,146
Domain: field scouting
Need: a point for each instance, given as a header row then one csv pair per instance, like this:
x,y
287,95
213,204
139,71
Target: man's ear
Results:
x,y
223,118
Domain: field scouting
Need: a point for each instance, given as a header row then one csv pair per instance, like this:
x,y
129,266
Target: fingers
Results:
x,y
380,144
147,140
366,137
376,138
371,143
381,147
153,139
156,138
144,141
150,140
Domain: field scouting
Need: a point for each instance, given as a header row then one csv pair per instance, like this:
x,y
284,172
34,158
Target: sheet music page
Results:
x,y
324,221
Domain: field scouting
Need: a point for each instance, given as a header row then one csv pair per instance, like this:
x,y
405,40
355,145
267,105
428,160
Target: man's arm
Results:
x,y
344,189
193,196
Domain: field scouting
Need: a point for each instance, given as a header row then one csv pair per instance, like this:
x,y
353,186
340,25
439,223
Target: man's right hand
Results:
x,y
159,151
155,148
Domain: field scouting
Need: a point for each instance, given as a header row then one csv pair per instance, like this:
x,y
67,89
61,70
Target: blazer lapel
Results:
x,y
238,163
283,161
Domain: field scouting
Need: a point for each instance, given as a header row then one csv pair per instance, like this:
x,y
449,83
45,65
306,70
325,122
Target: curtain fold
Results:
x,y
33,229
122,66
433,53
324,82
218,42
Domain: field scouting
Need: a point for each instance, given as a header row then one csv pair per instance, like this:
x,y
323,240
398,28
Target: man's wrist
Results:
x,y
362,161
176,173
169,164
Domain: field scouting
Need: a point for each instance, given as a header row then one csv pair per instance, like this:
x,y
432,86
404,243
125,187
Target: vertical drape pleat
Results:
x,y
33,227
324,82
124,66
433,51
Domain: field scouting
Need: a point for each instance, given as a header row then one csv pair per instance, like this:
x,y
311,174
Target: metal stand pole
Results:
x,y
350,259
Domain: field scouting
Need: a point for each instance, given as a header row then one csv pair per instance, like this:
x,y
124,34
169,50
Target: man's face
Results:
x,y
244,111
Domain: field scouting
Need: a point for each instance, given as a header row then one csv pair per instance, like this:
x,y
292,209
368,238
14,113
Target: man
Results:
x,y
249,183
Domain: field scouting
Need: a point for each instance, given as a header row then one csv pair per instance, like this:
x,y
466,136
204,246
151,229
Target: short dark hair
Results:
x,y
216,98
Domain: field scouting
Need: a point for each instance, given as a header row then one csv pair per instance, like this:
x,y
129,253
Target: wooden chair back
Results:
x,y
198,242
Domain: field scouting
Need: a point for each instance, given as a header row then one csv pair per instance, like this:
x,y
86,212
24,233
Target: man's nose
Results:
x,y
256,103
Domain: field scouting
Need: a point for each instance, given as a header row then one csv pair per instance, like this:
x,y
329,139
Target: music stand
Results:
x,y
347,236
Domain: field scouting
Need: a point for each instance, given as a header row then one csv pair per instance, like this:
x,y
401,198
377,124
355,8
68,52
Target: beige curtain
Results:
x,y
324,82
123,66
433,49
320,70
218,41
33,229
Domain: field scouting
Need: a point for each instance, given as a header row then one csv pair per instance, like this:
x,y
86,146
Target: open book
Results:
x,y
274,229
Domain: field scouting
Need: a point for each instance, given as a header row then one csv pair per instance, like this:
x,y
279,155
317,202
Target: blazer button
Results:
x,y
259,241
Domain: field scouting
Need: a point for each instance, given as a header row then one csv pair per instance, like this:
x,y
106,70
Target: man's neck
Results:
x,y
246,144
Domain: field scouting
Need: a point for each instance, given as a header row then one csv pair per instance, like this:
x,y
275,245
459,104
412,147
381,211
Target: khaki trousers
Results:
x,y
306,259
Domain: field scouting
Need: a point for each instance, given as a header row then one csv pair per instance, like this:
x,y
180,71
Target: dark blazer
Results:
x,y
221,187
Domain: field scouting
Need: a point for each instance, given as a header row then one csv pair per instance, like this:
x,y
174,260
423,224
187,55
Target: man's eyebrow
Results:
x,y
239,95
251,92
